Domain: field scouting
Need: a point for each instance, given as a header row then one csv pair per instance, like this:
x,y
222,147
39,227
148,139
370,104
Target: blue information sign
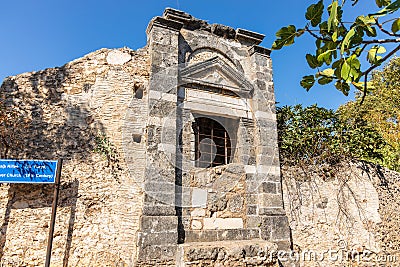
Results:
x,y
28,171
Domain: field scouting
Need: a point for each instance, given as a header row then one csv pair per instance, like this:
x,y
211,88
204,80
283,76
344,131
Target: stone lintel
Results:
x,y
189,75
177,15
221,235
259,50
249,36
191,23
164,23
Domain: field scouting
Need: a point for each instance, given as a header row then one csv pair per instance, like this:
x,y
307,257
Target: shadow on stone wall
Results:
x,y
57,128
36,196
69,197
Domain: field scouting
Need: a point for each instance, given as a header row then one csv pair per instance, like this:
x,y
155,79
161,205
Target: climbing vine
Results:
x,y
106,148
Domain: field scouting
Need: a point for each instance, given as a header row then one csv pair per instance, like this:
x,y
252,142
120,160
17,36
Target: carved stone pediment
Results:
x,y
214,73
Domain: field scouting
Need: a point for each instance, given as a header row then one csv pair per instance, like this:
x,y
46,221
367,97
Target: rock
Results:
x,y
198,212
20,205
196,225
235,204
116,57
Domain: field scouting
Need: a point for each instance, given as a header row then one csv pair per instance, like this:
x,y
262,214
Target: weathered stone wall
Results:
x,y
239,253
93,103
350,211
131,189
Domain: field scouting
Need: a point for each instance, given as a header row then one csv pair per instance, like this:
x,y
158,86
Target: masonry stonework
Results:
x,y
350,212
100,202
144,183
215,72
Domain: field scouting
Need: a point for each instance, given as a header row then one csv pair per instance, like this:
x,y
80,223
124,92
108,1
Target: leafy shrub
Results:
x,y
380,110
315,135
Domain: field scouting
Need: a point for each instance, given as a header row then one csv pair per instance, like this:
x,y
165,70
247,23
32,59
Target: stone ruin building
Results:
x,y
170,154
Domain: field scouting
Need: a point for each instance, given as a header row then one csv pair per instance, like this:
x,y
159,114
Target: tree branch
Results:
x,y
380,26
354,46
387,21
316,36
365,73
381,41
362,49
382,60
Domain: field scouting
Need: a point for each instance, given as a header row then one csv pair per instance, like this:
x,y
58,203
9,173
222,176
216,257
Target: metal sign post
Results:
x,y
53,212
35,171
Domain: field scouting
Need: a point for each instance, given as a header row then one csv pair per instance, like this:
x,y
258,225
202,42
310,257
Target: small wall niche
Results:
x,y
137,138
138,91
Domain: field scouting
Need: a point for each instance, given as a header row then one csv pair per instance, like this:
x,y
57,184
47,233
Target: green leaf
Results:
x,y
381,3
312,61
335,36
393,7
365,23
337,66
285,36
318,43
300,32
307,82
371,31
323,28
325,80
345,71
372,55
333,20
325,57
350,70
327,72
314,13
337,63
354,67
366,20
343,87
381,50
346,40
396,25
358,51
360,85
339,13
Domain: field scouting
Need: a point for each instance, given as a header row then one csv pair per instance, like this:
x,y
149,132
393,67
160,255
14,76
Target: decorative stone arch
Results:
x,y
205,53
215,44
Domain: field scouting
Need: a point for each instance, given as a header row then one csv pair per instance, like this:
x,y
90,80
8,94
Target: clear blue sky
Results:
x,y
48,33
